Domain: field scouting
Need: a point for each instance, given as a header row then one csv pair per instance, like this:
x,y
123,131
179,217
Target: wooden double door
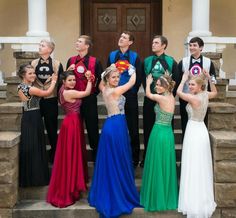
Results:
x,y
106,20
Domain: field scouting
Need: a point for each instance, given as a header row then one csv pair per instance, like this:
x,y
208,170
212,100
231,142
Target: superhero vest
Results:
x,y
206,64
149,61
124,78
150,68
47,83
79,71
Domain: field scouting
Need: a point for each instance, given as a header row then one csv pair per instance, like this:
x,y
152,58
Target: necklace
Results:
x,y
165,93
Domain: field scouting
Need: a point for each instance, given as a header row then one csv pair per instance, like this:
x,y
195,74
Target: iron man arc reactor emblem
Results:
x,y
80,67
196,70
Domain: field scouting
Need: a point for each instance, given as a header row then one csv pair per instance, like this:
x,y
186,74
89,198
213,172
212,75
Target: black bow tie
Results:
x,y
44,61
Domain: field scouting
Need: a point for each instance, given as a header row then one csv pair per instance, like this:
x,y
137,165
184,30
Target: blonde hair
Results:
x,y
88,40
50,43
200,80
106,74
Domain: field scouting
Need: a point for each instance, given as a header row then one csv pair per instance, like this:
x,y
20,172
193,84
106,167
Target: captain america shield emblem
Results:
x,y
196,70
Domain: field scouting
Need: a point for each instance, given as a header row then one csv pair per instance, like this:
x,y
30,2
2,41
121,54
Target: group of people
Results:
x,y
116,150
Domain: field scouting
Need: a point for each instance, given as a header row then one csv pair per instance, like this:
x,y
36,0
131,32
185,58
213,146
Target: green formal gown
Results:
x,y
159,182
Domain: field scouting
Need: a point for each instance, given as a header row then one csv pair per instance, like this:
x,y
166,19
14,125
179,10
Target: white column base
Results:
x,y
200,33
37,33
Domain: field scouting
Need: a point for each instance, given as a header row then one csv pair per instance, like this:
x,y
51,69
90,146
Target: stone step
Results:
x,y
101,119
3,87
3,93
232,87
102,109
41,209
11,112
10,116
39,193
231,94
177,133
178,152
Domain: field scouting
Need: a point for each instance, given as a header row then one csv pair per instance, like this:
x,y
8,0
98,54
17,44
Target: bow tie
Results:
x,y
44,61
196,60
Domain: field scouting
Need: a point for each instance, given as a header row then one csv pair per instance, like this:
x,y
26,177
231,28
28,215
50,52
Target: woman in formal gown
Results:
x,y
159,182
196,195
113,190
69,172
33,162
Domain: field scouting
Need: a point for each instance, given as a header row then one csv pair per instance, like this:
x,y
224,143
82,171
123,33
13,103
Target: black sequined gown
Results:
x,y
33,163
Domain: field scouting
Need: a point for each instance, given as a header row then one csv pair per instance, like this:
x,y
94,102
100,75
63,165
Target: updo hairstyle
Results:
x,y
65,74
167,82
106,74
22,70
201,81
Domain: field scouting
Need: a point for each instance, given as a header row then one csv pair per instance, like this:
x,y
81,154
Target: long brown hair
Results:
x,y
167,82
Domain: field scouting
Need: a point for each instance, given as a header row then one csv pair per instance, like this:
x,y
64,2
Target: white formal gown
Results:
x,y
196,194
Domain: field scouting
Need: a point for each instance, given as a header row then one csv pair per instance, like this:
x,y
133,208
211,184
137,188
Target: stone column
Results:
x,y
13,81
37,18
9,142
221,116
224,162
200,18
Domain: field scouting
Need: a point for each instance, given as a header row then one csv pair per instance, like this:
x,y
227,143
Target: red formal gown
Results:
x,y
69,172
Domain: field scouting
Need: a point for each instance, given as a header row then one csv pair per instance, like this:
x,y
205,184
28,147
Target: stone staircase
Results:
x,y
30,202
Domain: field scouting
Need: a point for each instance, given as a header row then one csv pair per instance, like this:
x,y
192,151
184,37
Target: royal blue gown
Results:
x,y
113,191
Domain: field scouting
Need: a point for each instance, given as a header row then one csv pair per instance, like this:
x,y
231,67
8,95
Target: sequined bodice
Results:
x,y
113,106
33,101
69,107
198,114
162,117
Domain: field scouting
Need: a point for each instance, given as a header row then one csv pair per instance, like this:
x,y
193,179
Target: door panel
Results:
x,y
105,20
106,28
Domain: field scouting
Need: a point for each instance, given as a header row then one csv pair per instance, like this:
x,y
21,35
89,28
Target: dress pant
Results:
x,y
49,111
131,113
89,113
183,115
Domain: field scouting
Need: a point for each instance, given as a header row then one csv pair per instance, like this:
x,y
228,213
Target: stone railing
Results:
x,y
9,142
222,126
26,46
23,43
224,162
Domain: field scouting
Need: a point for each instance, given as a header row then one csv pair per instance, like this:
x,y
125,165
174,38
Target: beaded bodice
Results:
x,y
198,114
69,107
33,101
113,106
162,117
